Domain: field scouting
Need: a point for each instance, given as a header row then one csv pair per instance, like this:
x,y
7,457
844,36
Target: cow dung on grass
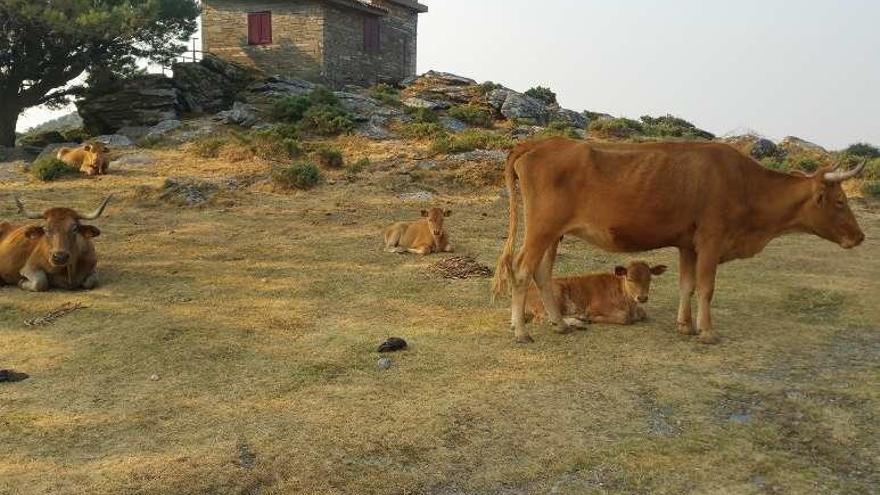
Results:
x,y
460,267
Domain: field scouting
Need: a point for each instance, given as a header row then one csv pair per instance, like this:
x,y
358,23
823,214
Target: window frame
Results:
x,y
372,35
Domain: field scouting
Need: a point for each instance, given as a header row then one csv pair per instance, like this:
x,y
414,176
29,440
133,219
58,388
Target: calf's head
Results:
x,y
435,218
62,228
636,279
95,157
827,213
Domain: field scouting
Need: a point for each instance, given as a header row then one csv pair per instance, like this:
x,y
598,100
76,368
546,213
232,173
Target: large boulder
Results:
x,y
210,85
570,117
242,114
142,100
441,88
796,145
754,145
524,108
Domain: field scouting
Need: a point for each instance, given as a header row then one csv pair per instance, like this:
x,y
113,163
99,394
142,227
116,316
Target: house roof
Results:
x,y
372,8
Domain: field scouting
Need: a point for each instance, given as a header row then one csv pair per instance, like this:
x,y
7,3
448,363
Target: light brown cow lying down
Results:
x,y
90,158
600,297
424,236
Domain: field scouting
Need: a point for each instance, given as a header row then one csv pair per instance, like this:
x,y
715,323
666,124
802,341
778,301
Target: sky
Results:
x,y
808,68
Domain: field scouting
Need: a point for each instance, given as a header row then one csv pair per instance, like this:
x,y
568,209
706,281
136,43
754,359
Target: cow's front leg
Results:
x,y
638,314
616,317
707,266
35,280
91,281
687,265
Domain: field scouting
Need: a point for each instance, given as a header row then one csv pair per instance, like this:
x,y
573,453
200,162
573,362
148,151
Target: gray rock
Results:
x,y
570,117
480,156
363,108
134,132
133,160
795,144
415,102
763,148
242,114
447,79
497,97
452,125
143,100
417,196
384,363
162,128
375,129
521,107
211,84
281,86
115,140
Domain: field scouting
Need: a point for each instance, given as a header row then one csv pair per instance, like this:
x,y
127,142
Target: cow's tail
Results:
x,y
504,268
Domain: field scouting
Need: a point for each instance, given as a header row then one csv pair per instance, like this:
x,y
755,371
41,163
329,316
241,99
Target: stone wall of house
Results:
x,y
346,62
297,47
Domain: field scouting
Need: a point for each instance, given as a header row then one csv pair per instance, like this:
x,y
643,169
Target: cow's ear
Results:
x,y
447,213
620,271
424,213
89,231
658,270
87,147
34,232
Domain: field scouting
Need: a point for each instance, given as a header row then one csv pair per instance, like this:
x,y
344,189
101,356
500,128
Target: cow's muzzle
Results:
x,y
60,258
853,242
642,299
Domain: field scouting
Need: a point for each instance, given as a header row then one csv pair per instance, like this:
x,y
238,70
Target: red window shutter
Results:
x,y
371,34
259,28
266,28
253,29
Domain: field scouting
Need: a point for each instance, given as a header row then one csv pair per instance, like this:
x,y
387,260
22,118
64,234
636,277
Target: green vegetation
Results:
x,y
330,157
49,168
469,140
422,130
671,126
863,150
423,115
276,143
472,114
871,188
558,129
207,147
387,94
544,94
319,113
619,128
359,166
487,87
301,175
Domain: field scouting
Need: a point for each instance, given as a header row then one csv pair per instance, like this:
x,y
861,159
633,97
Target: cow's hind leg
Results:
x,y
392,239
34,280
687,267
707,266
524,272
544,281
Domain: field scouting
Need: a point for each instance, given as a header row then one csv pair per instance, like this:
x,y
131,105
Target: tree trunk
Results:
x,y
8,120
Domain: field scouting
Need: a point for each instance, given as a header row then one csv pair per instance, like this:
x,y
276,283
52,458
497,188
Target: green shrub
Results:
x,y
422,130
290,109
558,129
805,163
616,128
423,115
472,114
303,175
387,94
469,140
871,188
49,168
360,165
330,157
207,147
544,94
774,163
77,135
863,150
672,126
323,96
327,120
487,87
872,170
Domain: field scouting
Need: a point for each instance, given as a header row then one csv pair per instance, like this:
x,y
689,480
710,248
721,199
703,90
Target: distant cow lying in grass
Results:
x,y
424,236
90,158
59,255
600,297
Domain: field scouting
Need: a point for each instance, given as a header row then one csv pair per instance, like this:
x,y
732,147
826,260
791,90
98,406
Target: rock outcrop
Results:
x,y
211,84
138,101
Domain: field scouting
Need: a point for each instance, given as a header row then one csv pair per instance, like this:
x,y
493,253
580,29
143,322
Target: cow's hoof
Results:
x,y
563,328
525,339
708,338
577,323
686,329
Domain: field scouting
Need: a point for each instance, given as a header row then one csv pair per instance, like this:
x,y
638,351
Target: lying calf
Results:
x,y
424,236
90,158
599,297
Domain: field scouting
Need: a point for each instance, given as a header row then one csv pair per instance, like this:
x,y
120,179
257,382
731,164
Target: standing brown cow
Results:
x,y
59,255
707,199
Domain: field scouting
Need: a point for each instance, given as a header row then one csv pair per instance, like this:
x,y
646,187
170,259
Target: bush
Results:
x,y
805,163
558,129
360,165
469,140
49,168
386,94
422,130
303,175
872,170
323,96
871,188
290,109
423,115
472,114
672,126
327,120
544,94
330,157
620,128
77,135
487,87
774,163
207,147
863,150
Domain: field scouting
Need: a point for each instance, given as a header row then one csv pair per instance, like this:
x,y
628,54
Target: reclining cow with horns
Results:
x,y
59,254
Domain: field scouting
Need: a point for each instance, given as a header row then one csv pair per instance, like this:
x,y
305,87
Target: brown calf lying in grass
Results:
x,y
600,297
90,158
424,236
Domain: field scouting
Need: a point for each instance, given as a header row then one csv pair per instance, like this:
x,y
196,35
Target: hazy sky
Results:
x,y
806,68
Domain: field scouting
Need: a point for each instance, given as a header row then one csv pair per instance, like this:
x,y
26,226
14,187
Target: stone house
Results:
x,y
335,42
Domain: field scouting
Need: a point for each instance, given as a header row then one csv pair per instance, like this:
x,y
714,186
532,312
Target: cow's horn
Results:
x,y
97,213
842,175
23,210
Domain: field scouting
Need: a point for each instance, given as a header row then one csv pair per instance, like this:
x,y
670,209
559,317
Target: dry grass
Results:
x,y
261,313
